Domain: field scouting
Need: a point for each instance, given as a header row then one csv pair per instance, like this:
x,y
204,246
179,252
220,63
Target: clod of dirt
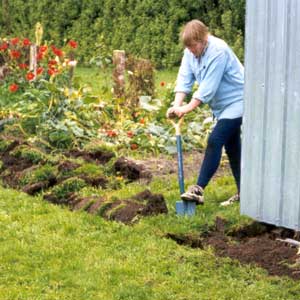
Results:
x,y
99,181
253,244
11,144
14,163
220,224
131,170
155,203
99,156
12,169
124,211
34,188
67,166
84,203
94,208
142,204
66,200
187,240
251,230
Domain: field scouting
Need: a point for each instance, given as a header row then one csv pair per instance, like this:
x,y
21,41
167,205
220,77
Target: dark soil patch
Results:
x,y
131,170
94,208
84,203
124,211
254,244
66,200
127,211
99,181
14,163
67,166
14,143
37,187
155,203
12,169
166,165
100,157
143,204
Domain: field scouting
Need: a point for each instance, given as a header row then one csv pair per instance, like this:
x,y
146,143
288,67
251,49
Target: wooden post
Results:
x,y
119,73
71,70
33,59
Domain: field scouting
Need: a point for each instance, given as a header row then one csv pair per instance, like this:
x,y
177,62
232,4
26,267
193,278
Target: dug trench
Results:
x,y
256,244
26,167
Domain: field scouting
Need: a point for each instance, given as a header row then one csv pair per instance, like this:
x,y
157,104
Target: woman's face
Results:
x,y
197,48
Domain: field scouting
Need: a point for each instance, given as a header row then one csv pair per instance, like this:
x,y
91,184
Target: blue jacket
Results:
x,y
220,77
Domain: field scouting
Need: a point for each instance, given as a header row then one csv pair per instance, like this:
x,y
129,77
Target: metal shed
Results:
x,y
270,183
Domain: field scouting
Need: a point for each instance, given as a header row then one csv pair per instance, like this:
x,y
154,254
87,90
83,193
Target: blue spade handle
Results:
x,y
180,164
182,207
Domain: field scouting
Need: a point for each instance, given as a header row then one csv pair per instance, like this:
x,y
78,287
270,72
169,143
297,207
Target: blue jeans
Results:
x,y
227,133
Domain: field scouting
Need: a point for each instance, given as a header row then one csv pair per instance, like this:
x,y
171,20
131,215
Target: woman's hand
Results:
x,y
175,111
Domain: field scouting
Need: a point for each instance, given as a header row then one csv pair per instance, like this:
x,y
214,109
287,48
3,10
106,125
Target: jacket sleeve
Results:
x,y
212,77
185,78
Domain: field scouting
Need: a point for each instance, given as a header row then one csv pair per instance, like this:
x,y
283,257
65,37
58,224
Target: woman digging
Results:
x,y
213,65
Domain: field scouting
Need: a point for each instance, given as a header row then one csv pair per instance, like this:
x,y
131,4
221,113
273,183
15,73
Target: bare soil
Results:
x,y
163,165
131,169
255,244
100,157
127,211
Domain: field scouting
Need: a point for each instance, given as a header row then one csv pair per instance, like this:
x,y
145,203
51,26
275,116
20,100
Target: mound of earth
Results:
x,y
256,244
126,211
99,156
131,170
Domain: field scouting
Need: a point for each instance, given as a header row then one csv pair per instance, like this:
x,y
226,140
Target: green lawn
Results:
x,y
48,252
101,80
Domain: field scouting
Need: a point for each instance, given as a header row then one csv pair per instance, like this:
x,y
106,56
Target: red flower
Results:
x,y
14,41
130,134
13,88
52,62
56,51
26,42
3,46
40,56
43,49
52,71
15,54
39,70
23,66
142,121
29,76
72,44
133,146
111,133
162,83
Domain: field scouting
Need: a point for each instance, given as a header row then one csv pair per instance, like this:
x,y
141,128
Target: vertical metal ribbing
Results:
x,y
265,108
285,99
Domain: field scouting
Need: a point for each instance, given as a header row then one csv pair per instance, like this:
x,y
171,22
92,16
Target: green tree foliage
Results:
x,y
145,28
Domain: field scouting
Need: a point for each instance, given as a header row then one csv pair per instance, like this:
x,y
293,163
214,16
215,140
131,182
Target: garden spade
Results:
x,y
182,207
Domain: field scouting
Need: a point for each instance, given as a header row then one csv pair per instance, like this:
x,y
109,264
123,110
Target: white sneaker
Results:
x,y
231,200
193,194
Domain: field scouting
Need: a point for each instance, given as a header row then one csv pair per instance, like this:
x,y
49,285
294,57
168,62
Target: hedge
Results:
x,y
145,28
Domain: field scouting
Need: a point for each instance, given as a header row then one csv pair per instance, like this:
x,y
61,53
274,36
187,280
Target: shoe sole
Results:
x,y
191,198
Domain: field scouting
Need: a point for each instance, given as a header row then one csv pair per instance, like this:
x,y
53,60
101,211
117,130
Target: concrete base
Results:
x,y
185,208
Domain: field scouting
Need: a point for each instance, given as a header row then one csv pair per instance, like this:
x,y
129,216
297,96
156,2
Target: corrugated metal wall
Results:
x,y
270,187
